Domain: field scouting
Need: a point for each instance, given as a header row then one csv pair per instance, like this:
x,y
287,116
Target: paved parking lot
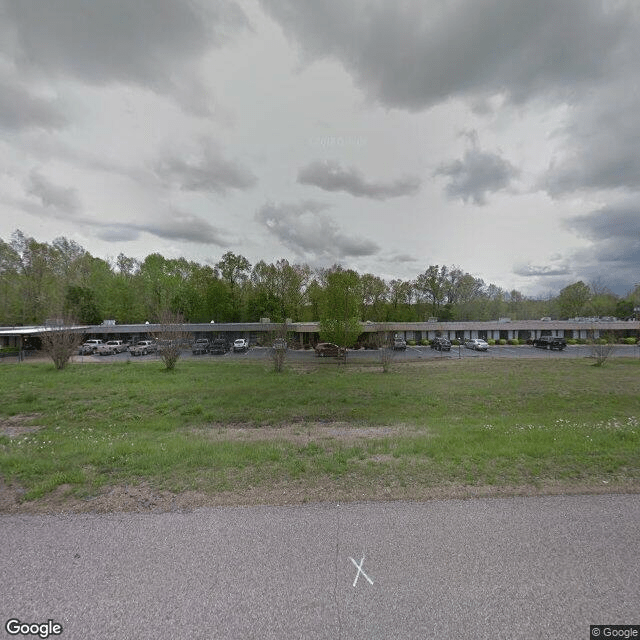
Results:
x,y
370,355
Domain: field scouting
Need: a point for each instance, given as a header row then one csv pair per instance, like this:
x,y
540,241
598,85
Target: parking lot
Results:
x,y
417,353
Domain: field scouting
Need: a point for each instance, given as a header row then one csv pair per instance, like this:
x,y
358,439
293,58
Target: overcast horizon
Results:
x,y
500,136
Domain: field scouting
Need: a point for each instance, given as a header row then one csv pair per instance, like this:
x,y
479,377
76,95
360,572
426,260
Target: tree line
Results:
x,y
40,280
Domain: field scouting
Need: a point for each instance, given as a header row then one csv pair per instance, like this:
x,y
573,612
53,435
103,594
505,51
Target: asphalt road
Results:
x,y
544,567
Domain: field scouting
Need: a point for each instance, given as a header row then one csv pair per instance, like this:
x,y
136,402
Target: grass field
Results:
x,y
240,429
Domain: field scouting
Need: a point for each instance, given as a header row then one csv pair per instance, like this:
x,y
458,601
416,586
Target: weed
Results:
x,y
477,422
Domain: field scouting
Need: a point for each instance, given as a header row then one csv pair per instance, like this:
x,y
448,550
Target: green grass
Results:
x,y
472,422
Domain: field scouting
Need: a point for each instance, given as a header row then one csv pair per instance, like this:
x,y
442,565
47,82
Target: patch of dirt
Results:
x,y
303,434
14,426
143,498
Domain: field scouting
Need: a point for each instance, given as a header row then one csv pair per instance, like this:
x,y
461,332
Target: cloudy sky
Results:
x,y
500,136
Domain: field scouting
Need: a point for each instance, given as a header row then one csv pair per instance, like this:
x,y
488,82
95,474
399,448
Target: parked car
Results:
x,y
328,349
200,346
280,344
478,344
240,345
441,344
89,347
111,347
219,346
143,347
550,342
399,344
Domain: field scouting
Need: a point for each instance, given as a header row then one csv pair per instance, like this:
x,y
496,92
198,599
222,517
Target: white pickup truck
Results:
x,y
143,347
89,347
111,347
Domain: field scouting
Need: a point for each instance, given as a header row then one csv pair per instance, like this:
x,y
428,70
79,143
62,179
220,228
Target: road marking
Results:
x,y
360,571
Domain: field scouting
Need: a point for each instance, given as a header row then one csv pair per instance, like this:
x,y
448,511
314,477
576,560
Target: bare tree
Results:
x,y
601,349
279,347
60,341
171,338
384,340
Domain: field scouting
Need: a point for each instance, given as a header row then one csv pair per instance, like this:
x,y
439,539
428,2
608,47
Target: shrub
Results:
x,y
411,343
60,343
502,341
630,340
514,341
491,342
572,341
424,343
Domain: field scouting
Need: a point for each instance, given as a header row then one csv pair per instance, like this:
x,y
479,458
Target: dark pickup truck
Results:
x,y
550,342
200,346
219,346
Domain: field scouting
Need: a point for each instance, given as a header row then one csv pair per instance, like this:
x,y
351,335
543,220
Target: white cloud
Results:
x,y
310,233
208,171
331,176
476,175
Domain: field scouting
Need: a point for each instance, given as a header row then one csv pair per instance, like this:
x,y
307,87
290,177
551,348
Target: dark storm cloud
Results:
x,y
477,174
209,172
612,259
20,109
614,256
143,42
331,176
600,145
415,54
610,224
310,233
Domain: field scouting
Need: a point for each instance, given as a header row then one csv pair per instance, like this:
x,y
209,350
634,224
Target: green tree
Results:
x,y
80,303
160,283
400,298
291,283
340,306
466,296
10,284
234,270
100,278
573,299
313,297
432,287
374,294
624,309
126,292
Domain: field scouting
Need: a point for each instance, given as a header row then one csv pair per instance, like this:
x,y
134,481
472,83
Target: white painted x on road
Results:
x,y
360,571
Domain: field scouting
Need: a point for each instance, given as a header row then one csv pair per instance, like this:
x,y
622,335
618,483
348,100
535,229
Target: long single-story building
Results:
x,y
307,333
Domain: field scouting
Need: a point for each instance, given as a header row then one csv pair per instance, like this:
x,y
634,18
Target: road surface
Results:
x,y
543,567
